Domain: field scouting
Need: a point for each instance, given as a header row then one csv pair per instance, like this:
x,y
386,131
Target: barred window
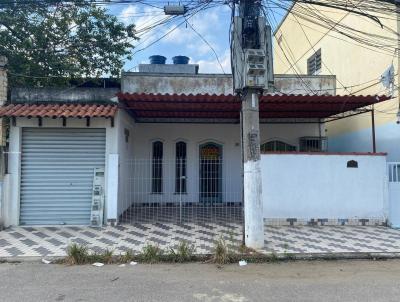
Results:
x,y
157,162
314,63
180,168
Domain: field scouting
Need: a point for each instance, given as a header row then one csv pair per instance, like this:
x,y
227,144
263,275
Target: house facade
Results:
x,y
166,147
306,45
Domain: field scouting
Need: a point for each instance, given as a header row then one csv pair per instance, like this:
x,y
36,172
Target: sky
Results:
x,y
212,25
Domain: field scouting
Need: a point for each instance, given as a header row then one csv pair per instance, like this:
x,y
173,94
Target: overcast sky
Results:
x,y
212,25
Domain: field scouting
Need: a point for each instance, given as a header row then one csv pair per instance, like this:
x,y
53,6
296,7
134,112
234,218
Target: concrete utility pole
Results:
x,y
252,72
398,57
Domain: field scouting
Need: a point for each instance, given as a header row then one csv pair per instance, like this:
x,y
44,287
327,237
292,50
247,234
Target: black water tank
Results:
x,y
180,60
156,59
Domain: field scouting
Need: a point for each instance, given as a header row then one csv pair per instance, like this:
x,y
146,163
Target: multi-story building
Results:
x,y
357,49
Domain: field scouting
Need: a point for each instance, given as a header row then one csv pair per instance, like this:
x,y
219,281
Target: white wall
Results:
x,y
12,202
321,186
124,125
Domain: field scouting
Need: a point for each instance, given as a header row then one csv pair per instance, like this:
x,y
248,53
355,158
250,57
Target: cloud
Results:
x,y
212,66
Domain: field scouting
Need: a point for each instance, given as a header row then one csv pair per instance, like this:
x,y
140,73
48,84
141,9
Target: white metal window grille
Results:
x,y
157,167
277,146
313,144
314,63
180,168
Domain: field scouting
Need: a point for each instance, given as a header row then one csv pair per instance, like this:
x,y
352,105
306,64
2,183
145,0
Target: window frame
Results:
x,y
181,167
275,142
157,167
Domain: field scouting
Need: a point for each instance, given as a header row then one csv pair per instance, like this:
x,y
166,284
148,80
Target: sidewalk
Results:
x,y
52,241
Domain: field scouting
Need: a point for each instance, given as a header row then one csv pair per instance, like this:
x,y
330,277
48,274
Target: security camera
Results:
x,y
398,117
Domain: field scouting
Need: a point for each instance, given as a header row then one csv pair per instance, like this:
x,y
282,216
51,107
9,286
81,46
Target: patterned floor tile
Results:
x,y
53,241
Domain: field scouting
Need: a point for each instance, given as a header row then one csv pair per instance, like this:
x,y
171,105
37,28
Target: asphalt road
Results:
x,y
295,281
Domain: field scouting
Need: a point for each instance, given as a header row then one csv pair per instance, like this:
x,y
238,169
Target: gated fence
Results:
x,y
181,191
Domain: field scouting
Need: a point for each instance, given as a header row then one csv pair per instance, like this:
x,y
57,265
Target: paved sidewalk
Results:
x,y
332,239
52,241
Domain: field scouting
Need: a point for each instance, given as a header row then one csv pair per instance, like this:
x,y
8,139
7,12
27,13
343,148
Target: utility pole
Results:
x,y
252,73
398,57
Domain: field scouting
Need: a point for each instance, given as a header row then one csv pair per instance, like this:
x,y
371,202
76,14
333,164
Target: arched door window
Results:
x,y
277,146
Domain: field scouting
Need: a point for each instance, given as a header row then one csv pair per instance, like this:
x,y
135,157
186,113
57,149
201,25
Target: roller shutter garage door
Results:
x,y
57,174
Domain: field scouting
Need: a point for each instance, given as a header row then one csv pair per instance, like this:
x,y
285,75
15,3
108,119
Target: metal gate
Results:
x,y
394,193
57,174
181,191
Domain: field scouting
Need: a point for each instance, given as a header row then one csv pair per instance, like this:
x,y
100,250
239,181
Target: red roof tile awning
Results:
x,y
59,110
272,106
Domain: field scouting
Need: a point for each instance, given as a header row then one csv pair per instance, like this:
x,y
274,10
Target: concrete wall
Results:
x,y
65,94
137,82
124,129
321,186
387,140
291,84
12,203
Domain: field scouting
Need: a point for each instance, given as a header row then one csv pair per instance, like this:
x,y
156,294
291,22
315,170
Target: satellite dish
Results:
x,y
387,78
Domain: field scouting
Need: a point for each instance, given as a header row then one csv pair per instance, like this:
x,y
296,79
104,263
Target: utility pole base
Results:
x,y
253,209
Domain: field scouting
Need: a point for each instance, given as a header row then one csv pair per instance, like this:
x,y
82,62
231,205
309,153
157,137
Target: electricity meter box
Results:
x,y
97,207
252,68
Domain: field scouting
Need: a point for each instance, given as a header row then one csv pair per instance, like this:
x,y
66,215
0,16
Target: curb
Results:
x,y
255,258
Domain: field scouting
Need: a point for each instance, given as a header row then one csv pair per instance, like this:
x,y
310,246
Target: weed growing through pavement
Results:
x,y
184,252
151,254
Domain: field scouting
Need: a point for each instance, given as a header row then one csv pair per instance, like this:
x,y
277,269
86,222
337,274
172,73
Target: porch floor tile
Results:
x,y
53,241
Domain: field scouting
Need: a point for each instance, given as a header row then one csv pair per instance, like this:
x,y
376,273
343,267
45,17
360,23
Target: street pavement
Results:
x,y
288,281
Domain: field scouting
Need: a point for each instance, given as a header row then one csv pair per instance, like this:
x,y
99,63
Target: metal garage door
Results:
x,y
57,174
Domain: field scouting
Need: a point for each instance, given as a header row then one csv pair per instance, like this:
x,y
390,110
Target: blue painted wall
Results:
x,y
387,140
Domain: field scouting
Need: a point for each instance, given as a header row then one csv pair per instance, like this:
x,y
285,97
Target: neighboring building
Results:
x,y
310,46
168,148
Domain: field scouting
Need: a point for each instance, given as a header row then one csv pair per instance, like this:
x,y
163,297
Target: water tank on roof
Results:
x,y
156,59
180,60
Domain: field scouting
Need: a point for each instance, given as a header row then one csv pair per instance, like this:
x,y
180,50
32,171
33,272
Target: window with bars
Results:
x,y
314,63
313,144
276,145
180,167
156,169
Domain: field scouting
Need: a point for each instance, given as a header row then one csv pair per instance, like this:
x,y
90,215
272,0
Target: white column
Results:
x,y
112,188
12,196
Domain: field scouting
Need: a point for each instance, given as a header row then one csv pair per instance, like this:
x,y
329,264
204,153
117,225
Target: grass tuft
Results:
x,y
77,254
221,252
151,254
184,252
